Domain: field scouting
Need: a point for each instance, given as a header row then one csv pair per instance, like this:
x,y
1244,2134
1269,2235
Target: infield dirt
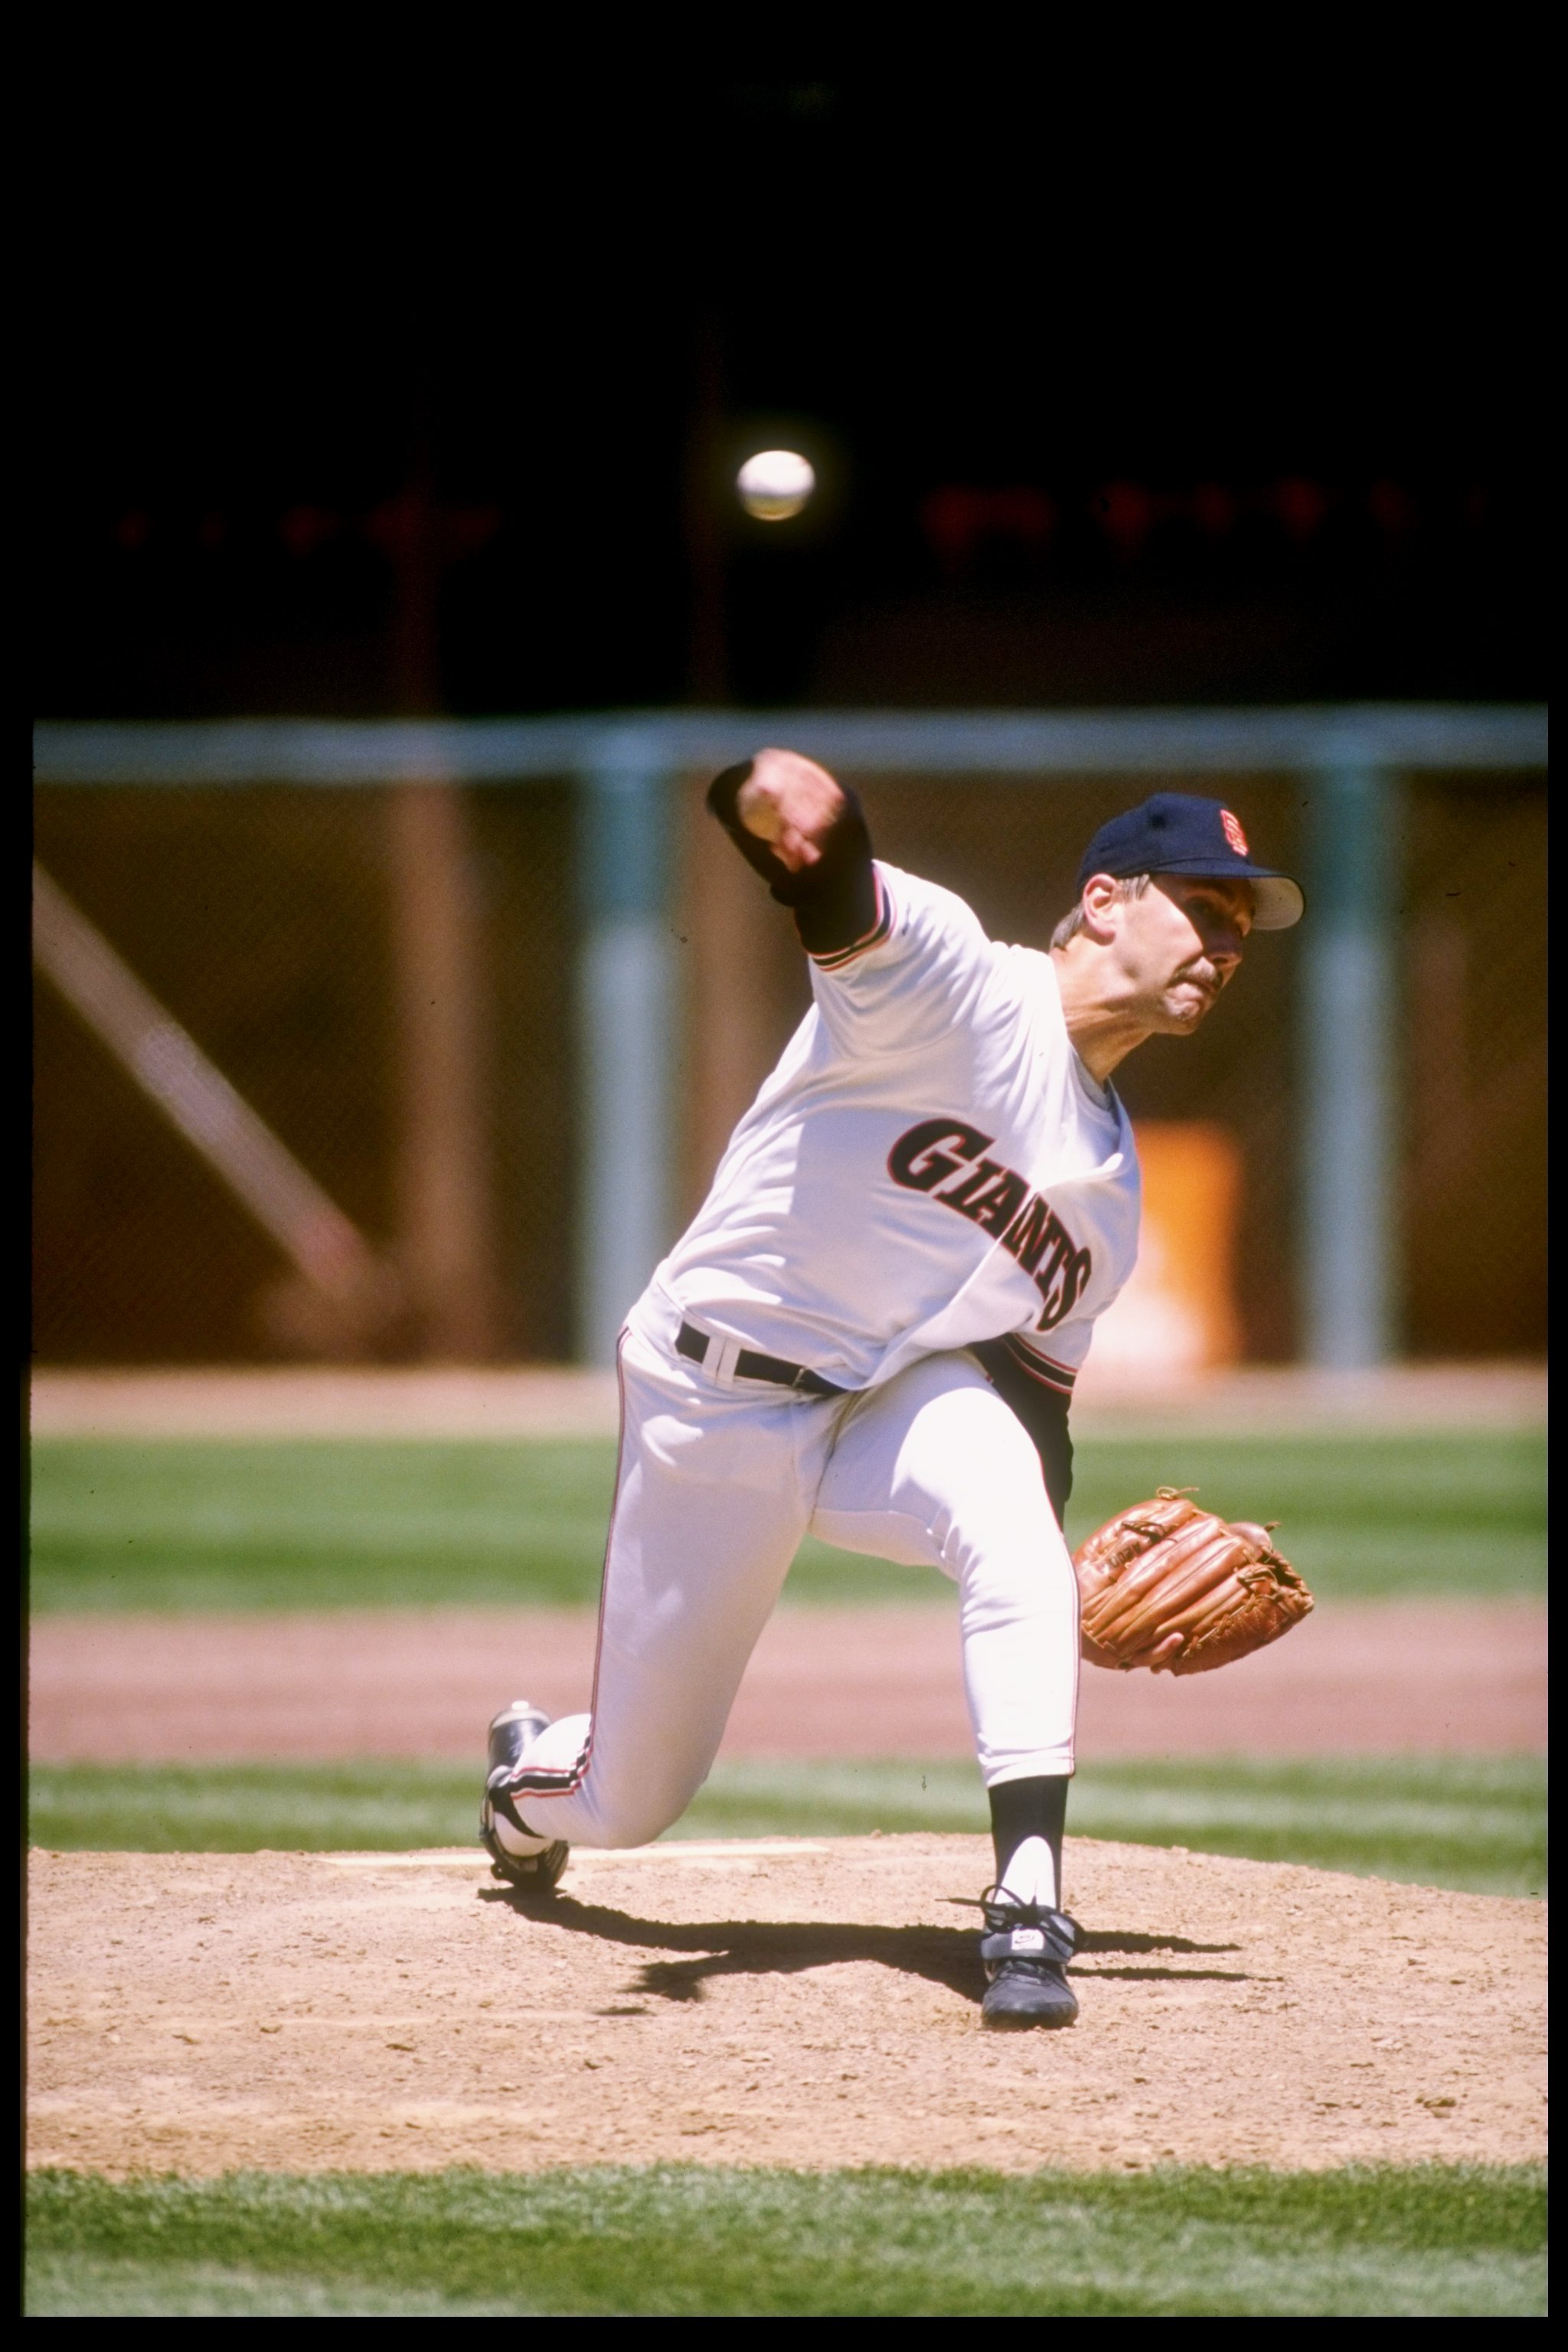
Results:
x,y
802,2003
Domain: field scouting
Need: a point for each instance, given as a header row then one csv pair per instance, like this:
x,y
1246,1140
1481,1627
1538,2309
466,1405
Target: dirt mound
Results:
x,y
798,2003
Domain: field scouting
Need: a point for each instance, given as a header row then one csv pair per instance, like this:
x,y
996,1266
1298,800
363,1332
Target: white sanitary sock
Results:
x,y
1031,1875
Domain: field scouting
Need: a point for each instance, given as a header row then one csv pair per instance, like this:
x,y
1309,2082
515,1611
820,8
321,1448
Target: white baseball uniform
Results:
x,y
929,1167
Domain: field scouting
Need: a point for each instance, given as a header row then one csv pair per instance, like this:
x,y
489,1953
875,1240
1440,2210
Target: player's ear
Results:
x,y
1099,897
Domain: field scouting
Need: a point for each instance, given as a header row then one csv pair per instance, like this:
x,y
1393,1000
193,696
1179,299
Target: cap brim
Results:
x,y
1276,901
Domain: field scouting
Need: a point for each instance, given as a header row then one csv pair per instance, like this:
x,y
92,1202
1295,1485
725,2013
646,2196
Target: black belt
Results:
x,y
749,1366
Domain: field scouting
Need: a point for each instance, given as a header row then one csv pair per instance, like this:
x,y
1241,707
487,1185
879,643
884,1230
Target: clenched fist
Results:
x,y
791,804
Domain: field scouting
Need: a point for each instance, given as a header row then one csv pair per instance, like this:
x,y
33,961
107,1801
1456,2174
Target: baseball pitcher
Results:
x,y
872,1330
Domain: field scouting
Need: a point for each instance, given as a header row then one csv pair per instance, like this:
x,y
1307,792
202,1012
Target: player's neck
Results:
x,y
1104,1030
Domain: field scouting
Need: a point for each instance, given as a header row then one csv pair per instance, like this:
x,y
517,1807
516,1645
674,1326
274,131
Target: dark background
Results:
x,y
1122,391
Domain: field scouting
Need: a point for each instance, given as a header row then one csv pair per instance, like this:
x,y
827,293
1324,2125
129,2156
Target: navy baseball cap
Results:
x,y
1177,832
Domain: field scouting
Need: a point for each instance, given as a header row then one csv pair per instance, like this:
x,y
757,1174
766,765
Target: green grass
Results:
x,y
334,1524
1471,1821
1430,2241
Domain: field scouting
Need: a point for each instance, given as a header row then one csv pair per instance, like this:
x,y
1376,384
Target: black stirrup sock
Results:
x,y
1026,1809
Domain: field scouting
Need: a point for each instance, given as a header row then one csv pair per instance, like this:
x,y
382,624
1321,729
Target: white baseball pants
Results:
x,y
718,1482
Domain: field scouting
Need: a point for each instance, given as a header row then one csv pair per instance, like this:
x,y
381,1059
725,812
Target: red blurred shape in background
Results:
x,y
413,524
1299,505
956,518
1213,507
303,529
1127,512
1392,509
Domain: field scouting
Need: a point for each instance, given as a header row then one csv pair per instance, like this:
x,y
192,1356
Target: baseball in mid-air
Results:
x,y
775,484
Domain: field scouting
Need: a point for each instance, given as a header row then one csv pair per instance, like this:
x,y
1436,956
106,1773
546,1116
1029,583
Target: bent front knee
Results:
x,y
636,1820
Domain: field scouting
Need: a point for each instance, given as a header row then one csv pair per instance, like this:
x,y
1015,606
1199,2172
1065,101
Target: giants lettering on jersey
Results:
x,y
999,1203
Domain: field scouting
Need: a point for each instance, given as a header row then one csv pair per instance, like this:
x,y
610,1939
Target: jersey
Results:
x,y
929,1165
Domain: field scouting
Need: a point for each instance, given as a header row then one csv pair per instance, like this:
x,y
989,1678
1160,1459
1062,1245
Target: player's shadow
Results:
x,y
710,1948
1097,1939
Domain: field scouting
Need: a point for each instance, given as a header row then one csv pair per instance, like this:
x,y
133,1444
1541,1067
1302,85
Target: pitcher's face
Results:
x,y
1180,944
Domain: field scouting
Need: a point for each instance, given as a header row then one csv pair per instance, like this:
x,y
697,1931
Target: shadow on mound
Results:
x,y
948,1956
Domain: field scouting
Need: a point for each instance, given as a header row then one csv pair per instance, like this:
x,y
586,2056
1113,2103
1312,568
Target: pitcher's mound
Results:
x,y
801,2003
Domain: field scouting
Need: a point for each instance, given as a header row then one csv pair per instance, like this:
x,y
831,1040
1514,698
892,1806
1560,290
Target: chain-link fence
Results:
x,y
282,928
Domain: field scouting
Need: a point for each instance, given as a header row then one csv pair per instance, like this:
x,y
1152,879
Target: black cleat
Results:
x,y
1025,1949
517,1727
537,1863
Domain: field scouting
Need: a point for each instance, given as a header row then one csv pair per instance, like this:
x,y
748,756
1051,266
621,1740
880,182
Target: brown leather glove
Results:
x,y
1167,1586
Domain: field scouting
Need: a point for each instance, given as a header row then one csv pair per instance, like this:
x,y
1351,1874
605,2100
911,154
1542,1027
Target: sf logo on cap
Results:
x,y
1233,833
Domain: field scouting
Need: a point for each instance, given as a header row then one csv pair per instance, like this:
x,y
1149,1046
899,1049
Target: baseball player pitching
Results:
x,y
872,1329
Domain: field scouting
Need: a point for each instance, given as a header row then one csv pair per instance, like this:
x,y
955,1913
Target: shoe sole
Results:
x,y
1031,2005
537,1874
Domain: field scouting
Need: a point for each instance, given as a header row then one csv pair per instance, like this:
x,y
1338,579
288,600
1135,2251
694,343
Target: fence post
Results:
x,y
1349,1011
625,1006
446,1212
